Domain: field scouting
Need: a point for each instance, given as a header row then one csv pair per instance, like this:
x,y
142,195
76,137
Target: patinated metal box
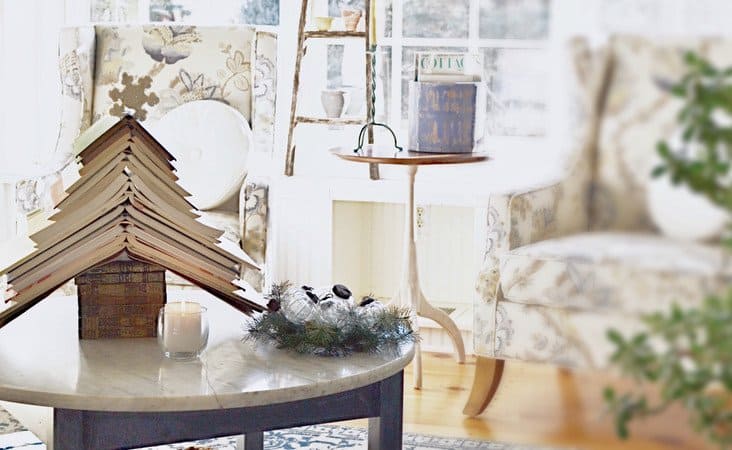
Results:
x,y
120,299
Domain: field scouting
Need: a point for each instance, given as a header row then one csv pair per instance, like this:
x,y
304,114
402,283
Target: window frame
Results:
x,y
474,43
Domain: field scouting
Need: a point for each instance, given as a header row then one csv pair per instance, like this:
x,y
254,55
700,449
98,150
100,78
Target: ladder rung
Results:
x,y
330,121
334,34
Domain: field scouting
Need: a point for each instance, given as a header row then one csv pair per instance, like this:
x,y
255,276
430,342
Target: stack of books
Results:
x,y
127,206
445,99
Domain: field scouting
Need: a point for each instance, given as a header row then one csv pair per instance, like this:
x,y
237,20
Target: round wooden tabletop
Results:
x,y
389,155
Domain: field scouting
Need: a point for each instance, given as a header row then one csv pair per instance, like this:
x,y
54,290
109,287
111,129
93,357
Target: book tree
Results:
x,y
127,206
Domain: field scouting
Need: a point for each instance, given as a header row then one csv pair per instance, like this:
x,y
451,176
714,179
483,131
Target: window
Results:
x,y
254,12
511,35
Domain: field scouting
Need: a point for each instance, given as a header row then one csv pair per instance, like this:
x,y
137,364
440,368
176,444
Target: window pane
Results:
x,y
340,75
408,69
514,19
383,84
433,18
114,11
346,69
260,12
516,86
386,5
254,12
335,66
169,11
334,6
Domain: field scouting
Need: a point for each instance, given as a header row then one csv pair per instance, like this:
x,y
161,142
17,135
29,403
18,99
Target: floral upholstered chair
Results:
x,y
565,262
148,71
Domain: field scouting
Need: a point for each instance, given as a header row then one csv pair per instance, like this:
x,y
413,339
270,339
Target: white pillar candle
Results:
x,y
182,327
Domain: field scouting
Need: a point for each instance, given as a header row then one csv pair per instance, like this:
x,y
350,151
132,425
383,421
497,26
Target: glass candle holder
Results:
x,y
182,330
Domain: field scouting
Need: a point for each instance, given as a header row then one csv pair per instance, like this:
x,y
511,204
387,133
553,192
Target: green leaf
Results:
x,y
615,337
609,394
663,149
684,351
658,171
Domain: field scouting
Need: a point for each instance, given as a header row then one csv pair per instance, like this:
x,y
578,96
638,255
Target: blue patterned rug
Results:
x,y
13,436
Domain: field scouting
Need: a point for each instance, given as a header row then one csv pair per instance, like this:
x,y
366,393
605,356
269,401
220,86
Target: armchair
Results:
x,y
149,70
564,263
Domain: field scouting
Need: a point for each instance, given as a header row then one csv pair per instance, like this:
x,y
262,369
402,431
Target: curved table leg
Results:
x,y
488,374
442,319
417,367
410,294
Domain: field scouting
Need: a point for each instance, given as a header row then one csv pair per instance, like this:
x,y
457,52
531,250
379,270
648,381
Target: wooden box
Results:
x,y
120,299
442,117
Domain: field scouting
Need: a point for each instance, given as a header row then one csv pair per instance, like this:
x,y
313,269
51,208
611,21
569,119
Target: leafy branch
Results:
x,y
687,353
694,368
703,161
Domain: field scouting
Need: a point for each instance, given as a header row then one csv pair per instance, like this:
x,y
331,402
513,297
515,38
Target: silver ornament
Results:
x,y
298,308
370,312
334,312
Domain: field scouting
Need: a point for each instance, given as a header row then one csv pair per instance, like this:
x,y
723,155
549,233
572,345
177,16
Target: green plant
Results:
x,y
703,161
352,329
687,353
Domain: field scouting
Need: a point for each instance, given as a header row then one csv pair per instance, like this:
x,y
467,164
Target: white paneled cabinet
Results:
x,y
351,232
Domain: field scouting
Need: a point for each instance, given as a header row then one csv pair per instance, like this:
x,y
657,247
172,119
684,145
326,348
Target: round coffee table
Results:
x,y
122,393
409,292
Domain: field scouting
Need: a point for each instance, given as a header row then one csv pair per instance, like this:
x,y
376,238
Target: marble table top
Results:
x,y
42,362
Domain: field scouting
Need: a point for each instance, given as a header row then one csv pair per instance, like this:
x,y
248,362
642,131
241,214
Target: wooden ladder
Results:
x,y
302,40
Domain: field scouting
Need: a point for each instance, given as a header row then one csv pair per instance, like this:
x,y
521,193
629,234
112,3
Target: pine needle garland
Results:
x,y
382,329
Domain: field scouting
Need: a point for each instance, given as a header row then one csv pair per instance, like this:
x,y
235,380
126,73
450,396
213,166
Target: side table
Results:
x,y
409,292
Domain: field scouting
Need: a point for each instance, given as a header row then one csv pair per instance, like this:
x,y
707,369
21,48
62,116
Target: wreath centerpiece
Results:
x,y
329,321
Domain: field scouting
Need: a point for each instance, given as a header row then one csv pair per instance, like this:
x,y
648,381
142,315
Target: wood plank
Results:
x,y
330,120
290,156
318,34
537,404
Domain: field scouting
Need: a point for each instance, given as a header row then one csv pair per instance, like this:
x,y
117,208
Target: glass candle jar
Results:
x,y
182,330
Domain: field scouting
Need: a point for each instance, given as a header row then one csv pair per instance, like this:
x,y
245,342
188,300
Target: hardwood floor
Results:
x,y
535,404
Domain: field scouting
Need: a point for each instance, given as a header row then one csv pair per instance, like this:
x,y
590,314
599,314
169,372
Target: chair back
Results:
x,y
637,113
147,70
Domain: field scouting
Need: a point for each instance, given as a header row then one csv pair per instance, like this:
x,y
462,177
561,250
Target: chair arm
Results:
x,y
253,222
76,66
76,70
264,96
519,218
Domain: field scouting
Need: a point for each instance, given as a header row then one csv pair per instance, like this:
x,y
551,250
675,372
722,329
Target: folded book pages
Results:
x,y
127,206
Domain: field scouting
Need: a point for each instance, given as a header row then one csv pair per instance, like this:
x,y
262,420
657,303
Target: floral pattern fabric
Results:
x,y
149,70
520,218
584,271
638,112
561,336
554,300
264,92
253,212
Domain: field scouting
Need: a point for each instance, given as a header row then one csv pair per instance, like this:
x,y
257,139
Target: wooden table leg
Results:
x,y
385,431
410,293
488,374
254,440
68,429
425,309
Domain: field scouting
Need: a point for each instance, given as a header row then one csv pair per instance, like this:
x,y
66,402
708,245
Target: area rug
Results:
x,y
13,436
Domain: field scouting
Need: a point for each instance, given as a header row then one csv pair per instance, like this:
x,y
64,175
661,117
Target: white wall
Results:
x,y
30,90
29,95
